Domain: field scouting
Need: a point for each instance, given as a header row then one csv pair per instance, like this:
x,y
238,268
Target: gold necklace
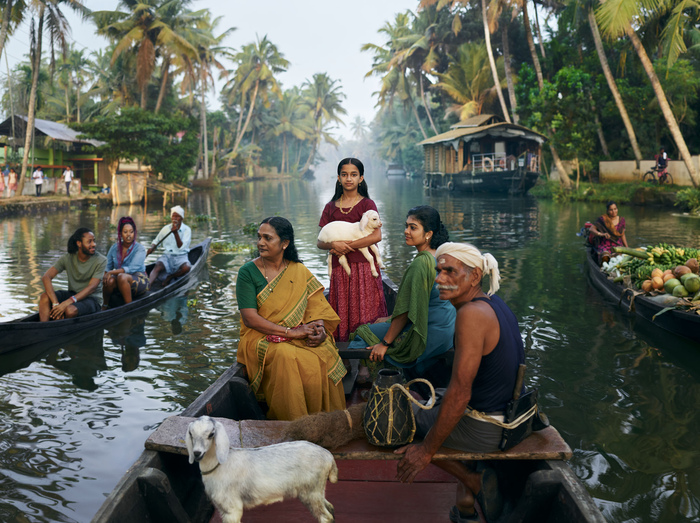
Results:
x,y
351,207
284,262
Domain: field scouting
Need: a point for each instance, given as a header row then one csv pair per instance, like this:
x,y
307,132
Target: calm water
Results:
x,y
624,397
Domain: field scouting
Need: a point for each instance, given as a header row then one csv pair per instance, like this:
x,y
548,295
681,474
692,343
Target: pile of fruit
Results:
x,y
660,269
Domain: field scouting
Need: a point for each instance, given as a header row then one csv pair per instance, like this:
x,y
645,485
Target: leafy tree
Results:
x,y
167,143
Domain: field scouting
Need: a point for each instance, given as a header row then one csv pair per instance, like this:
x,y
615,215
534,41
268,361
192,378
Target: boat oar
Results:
x,y
164,237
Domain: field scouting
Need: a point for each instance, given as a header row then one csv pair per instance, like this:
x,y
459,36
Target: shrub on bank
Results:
x,y
600,192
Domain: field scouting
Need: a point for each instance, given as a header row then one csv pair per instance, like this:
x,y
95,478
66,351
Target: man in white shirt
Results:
x,y
38,176
68,177
176,239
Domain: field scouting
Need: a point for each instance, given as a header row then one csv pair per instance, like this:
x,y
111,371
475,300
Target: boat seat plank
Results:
x,y
170,437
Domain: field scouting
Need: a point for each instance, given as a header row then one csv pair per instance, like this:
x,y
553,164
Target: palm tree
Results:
x,y
616,18
144,29
12,14
492,62
50,15
358,128
468,80
613,87
322,98
208,49
393,73
258,63
291,123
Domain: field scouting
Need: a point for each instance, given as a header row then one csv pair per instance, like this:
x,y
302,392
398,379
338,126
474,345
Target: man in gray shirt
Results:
x,y
84,270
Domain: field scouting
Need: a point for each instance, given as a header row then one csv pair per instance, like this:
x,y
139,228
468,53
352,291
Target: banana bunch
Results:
x,y
664,254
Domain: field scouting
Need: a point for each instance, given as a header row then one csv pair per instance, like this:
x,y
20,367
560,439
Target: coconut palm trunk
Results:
x,y
240,134
205,145
492,62
613,87
509,73
663,104
531,45
32,102
563,177
163,84
426,105
5,25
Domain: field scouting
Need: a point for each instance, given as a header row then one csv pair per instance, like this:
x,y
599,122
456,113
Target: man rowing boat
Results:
x,y
176,239
84,270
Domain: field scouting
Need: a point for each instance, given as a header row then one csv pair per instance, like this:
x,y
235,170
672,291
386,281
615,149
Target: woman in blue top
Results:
x,y
126,269
422,325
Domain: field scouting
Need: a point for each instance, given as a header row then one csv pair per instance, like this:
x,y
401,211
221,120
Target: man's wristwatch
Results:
x,y
385,343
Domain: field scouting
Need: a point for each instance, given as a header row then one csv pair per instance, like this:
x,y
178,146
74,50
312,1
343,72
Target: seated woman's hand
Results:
x,y
301,332
378,352
106,278
315,339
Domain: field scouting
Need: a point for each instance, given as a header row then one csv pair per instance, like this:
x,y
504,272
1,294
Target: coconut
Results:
x,y
657,283
692,283
680,271
685,277
679,291
668,271
657,272
693,264
671,284
667,277
647,286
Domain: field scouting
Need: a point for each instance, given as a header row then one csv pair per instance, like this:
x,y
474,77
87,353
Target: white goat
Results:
x,y
348,231
237,479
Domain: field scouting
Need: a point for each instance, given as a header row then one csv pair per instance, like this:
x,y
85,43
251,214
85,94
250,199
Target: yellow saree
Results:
x,y
291,377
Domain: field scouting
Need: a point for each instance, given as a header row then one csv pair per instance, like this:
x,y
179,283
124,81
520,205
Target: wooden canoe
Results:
x,y
162,486
28,331
678,322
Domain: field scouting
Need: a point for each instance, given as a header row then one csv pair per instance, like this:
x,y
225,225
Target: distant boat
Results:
x,y
483,154
395,169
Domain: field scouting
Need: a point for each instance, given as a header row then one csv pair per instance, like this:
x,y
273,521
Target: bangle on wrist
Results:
x,y
286,331
74,300
55,304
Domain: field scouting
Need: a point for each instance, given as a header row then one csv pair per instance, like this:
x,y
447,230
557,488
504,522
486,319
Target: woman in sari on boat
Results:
x,y
286,346
608,232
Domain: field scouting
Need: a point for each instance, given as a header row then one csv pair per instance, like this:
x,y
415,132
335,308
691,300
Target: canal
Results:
x,y
74,418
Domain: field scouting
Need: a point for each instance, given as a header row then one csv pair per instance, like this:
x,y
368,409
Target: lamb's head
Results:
x,y
370,220
201,434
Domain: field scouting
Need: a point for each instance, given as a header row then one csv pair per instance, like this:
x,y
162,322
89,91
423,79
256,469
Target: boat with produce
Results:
x,y
483,154
28,331
162,486
659,284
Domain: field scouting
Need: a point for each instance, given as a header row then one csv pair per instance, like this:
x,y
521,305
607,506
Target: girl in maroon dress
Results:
x,y
359,297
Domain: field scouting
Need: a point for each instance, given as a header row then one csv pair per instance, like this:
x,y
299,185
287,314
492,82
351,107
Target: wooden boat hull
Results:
x,y
180,496
678,322
505,182
28,331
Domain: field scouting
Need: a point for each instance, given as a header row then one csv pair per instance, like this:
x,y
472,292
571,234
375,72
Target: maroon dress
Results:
x,y
358,298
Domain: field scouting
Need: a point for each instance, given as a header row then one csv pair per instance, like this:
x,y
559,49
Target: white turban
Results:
x,y
179,210
472,257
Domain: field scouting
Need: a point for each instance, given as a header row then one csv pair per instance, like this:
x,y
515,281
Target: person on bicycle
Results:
x,y
661,163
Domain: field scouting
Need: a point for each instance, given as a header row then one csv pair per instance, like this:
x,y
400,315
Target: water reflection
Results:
x,y
130,336
82,358
623,395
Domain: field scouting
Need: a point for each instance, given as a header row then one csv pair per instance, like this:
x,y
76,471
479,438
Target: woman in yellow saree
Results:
x,y
291,360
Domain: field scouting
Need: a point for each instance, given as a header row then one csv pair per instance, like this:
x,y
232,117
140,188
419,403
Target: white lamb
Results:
x,y
348,231
237,479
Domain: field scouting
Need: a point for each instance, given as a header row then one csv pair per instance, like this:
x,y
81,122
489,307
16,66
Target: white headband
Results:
x,y
179,210
472,257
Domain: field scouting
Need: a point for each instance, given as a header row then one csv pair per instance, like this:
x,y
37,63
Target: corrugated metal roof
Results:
x,y
502,129
55,130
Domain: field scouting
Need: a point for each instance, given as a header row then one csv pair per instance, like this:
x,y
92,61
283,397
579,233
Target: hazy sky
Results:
x,y
314,35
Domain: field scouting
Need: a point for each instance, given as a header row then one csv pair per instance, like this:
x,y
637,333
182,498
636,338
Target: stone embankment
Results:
x,y
48,203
